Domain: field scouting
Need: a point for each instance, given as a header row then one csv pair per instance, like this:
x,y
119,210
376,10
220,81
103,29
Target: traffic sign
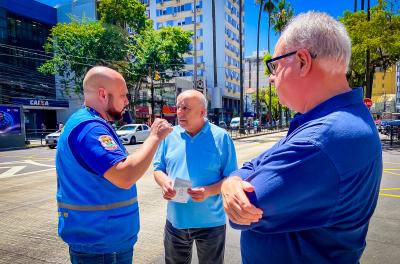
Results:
x,y
368,102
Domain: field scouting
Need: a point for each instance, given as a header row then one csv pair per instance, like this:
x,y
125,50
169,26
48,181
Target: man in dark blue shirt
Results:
x,y
309,198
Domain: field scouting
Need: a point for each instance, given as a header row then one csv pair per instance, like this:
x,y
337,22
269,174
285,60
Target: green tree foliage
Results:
x,y
281,15
158,50
78,46
123,13
381,35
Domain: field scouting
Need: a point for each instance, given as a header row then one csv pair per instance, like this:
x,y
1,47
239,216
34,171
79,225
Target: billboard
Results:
x,y
10,120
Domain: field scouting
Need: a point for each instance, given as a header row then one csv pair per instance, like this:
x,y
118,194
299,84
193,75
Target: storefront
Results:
x,y
142,114
169,114
40,114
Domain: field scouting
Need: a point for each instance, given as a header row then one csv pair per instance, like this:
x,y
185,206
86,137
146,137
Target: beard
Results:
x,y
112,112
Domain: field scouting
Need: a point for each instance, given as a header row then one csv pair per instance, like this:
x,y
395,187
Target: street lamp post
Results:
x,y
195,46
241,123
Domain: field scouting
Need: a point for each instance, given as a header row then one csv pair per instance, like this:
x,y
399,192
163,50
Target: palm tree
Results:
x,y
266,6
281,16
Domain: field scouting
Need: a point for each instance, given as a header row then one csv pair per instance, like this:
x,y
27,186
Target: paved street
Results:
x,y
28,225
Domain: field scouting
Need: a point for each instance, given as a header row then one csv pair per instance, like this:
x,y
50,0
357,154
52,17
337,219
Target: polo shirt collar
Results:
x,y
341,100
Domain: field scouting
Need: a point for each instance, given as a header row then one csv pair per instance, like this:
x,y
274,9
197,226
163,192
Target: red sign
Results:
x,y
169,109
368,102
141,111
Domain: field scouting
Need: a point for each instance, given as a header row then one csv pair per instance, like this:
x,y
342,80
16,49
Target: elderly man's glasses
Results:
x,y
272,67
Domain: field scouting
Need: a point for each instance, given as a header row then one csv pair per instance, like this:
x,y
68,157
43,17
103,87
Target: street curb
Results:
x,y
259,134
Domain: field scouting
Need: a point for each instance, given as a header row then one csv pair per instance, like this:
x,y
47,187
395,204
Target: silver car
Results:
x,y
130,134
52,139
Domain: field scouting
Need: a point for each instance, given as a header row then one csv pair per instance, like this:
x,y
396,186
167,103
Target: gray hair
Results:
x,y
323,36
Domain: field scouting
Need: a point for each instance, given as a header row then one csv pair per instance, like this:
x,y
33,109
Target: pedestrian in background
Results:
x,y
201,155
310,197
43,127
96,178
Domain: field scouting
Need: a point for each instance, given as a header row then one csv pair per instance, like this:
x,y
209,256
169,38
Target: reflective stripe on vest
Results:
x,y
97,207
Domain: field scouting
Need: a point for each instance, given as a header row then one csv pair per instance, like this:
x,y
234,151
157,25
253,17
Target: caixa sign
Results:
x,y
39,102
34,103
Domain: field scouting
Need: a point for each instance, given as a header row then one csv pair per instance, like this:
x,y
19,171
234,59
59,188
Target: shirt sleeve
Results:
x,y
296,186
229,156
159,159
249,167
95,148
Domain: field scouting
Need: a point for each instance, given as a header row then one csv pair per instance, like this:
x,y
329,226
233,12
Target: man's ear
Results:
x,y
305,60
102,94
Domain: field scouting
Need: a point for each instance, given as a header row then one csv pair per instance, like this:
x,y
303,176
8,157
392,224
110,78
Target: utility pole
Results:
x,y
258,65
216,110
368,92
241,124
152,92
195,46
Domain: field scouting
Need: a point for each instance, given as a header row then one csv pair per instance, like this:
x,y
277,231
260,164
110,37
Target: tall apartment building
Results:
x,y
217,37
250,79
250,71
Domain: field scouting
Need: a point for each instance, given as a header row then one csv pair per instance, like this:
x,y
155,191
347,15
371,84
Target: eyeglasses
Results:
x,y
272,67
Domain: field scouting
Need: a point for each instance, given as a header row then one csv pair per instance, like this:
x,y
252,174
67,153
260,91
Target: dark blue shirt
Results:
x,y
317,187
87,145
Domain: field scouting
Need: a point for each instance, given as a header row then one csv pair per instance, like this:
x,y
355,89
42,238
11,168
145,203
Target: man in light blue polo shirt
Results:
x,y
202,155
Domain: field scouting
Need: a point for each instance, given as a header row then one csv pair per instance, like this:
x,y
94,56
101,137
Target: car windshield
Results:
x,y
127,128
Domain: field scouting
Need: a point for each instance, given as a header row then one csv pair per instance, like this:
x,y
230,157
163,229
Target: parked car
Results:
x,y
52,139
235,123
132,133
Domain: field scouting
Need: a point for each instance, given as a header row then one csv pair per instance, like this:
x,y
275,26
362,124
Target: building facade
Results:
x,y
250,71
250,79
24,28
217,47
384,91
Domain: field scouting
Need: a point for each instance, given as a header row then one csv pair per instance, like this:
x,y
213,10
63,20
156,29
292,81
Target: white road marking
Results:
x,y
11,172
16,166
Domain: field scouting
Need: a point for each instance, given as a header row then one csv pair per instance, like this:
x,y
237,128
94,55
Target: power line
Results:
x,y
33,51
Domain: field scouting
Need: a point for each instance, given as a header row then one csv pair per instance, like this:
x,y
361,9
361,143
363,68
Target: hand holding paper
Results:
x,y
181,188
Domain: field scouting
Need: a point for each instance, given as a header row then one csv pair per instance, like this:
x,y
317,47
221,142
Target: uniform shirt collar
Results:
x,y
92,111
341,100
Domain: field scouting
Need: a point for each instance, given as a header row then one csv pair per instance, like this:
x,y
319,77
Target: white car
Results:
x,y
130,134
52,139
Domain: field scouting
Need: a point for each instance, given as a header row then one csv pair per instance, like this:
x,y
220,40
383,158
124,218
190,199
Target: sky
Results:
x,y
334,8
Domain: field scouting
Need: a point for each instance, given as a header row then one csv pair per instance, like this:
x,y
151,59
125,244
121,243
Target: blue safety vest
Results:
x,y
95,216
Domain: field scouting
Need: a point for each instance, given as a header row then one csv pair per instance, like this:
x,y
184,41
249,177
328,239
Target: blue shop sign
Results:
x,y
33,103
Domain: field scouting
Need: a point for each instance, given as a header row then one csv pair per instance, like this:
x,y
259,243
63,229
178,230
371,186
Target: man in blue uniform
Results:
x,y
200,155
310,197
96,191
